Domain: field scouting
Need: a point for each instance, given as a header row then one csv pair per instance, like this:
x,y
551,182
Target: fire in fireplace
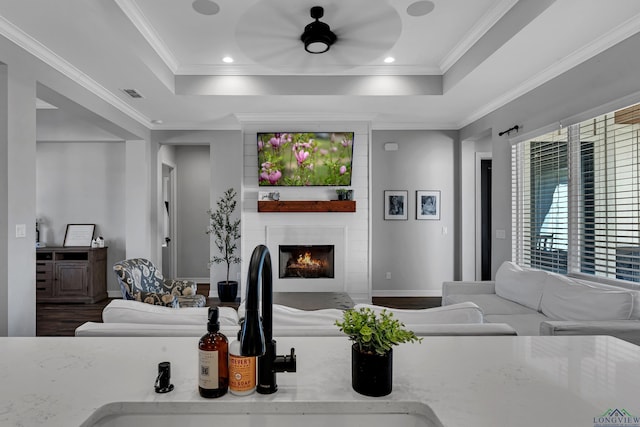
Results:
x,y
306,261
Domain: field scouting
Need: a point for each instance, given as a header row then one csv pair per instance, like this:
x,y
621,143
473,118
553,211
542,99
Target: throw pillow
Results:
x,y
565,299
523,286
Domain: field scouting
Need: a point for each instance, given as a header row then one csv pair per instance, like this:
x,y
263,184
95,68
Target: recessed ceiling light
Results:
x,y
205,7
389,59
157,121
420,8
227,60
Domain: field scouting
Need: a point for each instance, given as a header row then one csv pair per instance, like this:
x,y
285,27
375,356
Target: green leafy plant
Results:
x,y
342,193
225,231
374,333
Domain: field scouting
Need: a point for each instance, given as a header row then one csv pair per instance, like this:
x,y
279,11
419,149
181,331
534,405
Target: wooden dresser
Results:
x,y
71,274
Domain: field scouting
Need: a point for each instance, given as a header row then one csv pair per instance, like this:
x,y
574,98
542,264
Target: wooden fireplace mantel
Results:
x,y
306,206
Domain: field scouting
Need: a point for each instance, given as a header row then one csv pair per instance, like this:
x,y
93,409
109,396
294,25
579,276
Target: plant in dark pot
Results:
x,y
344,194
373,337
226,232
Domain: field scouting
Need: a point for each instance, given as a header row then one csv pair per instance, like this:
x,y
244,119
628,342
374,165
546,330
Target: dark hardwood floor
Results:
x,y
413,303
63,319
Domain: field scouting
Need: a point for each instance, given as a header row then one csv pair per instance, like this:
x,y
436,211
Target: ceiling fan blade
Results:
x,y
269,33
292,15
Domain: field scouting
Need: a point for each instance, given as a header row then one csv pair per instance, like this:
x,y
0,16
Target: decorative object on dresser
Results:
x,y
226,232
72,274
79,235
373,335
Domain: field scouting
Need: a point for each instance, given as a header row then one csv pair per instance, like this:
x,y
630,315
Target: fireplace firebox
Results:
x,y
306,261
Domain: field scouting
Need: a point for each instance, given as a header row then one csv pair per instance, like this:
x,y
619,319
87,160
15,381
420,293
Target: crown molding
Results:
x,y
135,15
190,126
486,22
38,50
250,69
610,39
256,118
375,125
262,119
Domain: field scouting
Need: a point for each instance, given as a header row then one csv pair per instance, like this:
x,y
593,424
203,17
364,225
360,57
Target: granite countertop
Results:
x,y
479,381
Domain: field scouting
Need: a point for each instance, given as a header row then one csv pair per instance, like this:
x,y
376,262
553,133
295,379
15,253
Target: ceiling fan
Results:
x,y
361,31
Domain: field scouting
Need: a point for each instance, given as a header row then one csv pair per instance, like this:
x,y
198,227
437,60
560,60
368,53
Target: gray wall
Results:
x,y
17,200
419,254
222,153
82,183
193,182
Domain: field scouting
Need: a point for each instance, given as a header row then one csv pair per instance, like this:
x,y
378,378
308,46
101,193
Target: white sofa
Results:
x,y
133,318
536,302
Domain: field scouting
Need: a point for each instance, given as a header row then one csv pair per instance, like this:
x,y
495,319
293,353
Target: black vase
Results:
x,y
227,291
371,374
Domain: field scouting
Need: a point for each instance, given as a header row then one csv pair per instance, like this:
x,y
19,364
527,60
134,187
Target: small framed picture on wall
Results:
x,y
396,204
427,204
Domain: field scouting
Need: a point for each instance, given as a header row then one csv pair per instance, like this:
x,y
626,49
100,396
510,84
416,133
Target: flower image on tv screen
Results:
x,y
305,158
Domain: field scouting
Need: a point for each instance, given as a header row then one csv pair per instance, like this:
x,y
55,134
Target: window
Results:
x,y
576,198
544,215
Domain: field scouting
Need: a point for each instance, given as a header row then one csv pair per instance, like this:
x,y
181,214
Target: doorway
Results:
x,y
485,219
168,216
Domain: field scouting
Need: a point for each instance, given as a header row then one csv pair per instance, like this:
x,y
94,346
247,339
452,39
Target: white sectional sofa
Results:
x,y
133,318
536,302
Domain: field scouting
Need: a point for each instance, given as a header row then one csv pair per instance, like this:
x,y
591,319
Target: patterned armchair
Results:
x,y
140,280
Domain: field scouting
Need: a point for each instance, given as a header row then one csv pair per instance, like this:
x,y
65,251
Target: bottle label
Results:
x,y
208,375
242,373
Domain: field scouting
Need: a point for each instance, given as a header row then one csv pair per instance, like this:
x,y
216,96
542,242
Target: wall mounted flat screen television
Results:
x,y
305,158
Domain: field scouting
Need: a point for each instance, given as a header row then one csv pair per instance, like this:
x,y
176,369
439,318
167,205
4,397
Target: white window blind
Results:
x,y
608,209
576,198
541,213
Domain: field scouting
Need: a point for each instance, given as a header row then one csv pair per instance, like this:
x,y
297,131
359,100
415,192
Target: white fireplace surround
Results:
x,y
309,235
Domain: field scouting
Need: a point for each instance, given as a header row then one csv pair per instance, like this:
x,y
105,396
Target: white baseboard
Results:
x,y
407,293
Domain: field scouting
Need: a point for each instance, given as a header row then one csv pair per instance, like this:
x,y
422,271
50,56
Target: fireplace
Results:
x,y
315,255
306,261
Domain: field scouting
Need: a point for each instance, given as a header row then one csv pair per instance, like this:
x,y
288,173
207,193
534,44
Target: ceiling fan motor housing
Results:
x,y
317,36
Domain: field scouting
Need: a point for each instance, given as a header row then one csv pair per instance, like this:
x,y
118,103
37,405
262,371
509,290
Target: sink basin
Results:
x,y
264,414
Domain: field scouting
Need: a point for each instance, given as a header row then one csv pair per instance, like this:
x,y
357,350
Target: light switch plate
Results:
x,y
21,231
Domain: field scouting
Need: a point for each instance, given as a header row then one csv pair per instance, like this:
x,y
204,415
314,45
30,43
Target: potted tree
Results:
x,y
226,232
373,337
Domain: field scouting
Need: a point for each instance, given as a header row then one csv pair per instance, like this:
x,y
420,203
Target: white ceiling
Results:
x,y
453,65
